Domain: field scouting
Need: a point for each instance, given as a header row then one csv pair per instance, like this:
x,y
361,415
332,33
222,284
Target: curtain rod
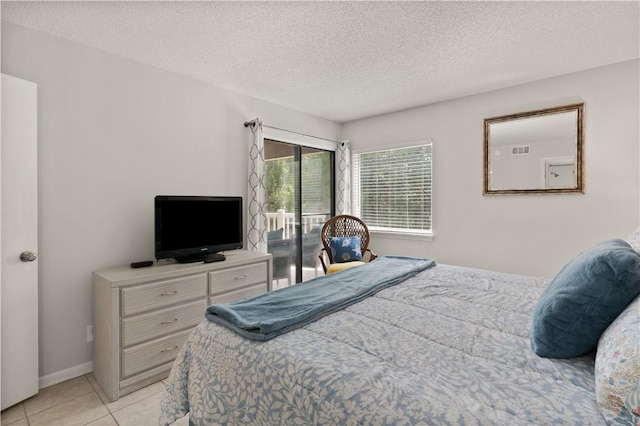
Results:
x,y
252,122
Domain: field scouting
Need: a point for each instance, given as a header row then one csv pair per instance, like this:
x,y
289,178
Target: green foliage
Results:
x,y
280,177
279,183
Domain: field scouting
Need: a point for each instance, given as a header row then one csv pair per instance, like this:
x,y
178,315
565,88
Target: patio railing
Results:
x,y
287,221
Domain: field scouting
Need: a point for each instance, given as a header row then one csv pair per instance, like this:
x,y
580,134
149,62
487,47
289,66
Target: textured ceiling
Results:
x,y
348,60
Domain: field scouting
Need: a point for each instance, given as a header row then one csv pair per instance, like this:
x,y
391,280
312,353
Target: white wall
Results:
x,y
527,234
113,133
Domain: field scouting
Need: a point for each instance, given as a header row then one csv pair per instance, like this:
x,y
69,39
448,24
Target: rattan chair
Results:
x,y
344,226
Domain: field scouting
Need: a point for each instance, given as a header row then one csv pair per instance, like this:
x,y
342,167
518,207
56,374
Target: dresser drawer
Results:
x,y
242,293
162,293
152,354
236,278
160,323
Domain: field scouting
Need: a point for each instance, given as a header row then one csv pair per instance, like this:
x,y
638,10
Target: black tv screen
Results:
x,y
192,228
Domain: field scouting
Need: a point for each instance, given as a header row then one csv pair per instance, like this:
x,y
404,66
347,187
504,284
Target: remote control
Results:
x,y
142,264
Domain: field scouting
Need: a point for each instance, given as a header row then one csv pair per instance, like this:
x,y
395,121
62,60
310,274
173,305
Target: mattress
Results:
x,y
448,346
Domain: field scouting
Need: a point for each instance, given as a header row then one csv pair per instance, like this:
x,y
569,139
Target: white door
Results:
x,y
19,227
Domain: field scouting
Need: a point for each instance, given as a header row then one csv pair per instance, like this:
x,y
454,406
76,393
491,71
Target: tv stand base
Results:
x,y
214,257
206,258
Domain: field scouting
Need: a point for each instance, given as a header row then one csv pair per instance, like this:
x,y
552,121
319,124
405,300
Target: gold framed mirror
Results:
x,y
535,152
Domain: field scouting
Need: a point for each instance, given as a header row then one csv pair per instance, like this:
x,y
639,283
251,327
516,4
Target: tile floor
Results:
x,y
81,401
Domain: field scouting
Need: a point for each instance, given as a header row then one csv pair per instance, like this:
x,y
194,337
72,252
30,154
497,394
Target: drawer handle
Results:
x,y
170,293
169,350
169,322
241,277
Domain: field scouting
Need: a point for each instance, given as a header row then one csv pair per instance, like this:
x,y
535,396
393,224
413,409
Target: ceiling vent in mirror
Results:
x,y
520,150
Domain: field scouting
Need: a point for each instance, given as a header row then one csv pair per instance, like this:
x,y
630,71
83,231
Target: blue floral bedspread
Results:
x,y
448,346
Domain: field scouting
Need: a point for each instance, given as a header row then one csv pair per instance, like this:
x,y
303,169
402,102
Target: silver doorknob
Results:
x,y
28,256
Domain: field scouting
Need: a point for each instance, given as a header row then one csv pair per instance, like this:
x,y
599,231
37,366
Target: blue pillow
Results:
x,y
345,249
584,298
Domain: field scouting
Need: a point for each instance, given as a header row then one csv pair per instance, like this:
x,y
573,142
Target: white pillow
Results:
x,y
634,240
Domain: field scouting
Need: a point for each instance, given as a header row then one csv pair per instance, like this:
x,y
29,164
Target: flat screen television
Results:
x,y
196,228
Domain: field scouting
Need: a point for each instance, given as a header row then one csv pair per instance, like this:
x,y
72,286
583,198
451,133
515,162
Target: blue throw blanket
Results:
x,y
271,314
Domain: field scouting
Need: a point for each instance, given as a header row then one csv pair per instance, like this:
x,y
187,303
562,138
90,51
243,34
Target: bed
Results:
x,y
450,345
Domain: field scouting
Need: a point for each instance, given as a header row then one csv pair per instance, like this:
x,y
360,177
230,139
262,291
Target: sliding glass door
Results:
x,y
300,199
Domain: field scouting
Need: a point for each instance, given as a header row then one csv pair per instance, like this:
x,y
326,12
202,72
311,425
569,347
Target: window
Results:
x,y
392,189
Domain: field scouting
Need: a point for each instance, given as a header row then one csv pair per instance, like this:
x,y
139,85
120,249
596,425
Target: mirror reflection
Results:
x,y
534,151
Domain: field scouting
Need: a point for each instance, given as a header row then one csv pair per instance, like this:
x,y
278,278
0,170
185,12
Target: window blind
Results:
x,y
392,188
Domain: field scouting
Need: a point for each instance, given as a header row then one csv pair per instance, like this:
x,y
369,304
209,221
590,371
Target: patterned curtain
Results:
x,y
256,216
343,178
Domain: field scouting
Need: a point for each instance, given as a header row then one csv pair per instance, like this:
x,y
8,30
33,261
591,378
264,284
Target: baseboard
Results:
x,y
64,375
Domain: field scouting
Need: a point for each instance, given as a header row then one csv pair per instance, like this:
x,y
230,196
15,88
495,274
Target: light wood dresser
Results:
x,y
143,316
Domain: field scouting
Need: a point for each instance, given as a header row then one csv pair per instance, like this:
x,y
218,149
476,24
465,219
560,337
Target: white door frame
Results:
x,y
545,162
